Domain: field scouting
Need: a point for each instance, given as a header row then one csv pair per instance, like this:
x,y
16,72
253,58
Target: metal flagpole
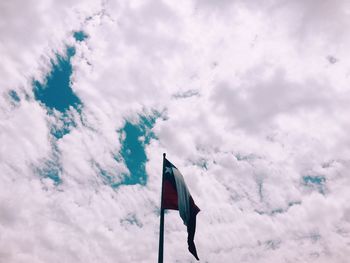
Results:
x,y
161,225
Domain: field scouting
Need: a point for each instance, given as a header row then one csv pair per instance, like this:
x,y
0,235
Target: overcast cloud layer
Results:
x,y
249,100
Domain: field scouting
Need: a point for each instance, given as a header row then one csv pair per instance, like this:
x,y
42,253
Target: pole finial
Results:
x,y
164,154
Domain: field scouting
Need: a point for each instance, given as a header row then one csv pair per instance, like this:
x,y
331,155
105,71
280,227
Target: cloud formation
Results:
x,y
248,99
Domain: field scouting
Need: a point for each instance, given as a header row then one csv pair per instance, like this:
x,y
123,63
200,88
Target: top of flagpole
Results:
x,y
164,154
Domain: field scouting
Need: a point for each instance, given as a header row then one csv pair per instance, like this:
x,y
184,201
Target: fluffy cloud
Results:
x,y
249,100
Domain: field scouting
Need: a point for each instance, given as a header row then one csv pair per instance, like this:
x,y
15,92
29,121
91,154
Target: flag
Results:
x,y
177,197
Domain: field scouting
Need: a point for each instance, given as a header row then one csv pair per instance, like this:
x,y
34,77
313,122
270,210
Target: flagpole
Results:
x,y
161,225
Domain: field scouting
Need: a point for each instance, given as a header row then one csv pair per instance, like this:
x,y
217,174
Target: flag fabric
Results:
x,y
176,196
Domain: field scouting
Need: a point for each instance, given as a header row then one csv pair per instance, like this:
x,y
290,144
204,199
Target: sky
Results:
x,y
247,98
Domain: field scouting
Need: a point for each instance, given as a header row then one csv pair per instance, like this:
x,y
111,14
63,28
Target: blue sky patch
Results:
x,y
62,125
316,182
56,92
51,169
134,137
14,96
80,36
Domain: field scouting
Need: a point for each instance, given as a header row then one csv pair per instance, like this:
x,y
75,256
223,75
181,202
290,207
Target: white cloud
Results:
x,y
251,105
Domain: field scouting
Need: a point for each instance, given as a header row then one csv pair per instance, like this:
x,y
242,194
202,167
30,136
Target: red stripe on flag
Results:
x,y
169,196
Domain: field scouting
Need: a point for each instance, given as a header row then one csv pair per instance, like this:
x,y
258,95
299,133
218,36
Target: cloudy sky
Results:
x,y
248,99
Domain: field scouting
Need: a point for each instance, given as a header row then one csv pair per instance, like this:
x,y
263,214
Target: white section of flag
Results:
x,y
183,196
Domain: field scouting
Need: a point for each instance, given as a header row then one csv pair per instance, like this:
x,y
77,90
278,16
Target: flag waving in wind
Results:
x,y
176,196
